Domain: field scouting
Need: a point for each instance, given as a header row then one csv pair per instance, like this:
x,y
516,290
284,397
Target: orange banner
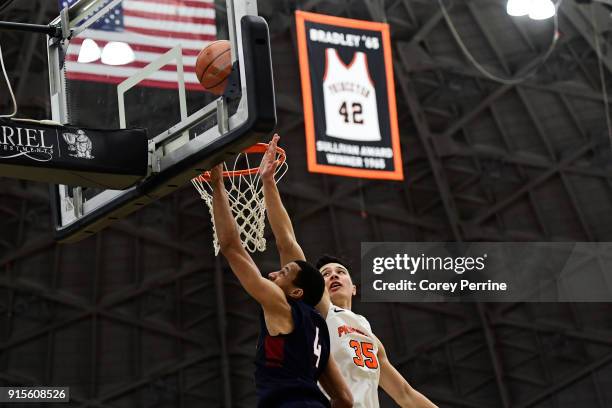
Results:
x,y
348,93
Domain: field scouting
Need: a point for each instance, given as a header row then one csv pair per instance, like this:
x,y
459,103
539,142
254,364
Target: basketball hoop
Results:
x,y
245,195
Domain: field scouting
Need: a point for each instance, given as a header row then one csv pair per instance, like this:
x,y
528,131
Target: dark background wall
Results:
x,y
143,315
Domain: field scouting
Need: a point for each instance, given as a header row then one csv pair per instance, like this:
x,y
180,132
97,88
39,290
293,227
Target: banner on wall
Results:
x,y
348,93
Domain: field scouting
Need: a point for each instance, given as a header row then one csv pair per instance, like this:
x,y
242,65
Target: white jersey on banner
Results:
x,y
355,350
351,111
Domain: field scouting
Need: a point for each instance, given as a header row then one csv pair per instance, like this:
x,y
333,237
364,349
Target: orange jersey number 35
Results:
x,y
364,354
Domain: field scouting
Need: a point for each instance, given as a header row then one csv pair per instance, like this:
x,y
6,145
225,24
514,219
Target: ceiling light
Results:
x,y
542,9
117,53
518,8
90,51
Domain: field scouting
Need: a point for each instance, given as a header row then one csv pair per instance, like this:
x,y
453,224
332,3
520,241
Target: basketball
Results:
x,y
214,65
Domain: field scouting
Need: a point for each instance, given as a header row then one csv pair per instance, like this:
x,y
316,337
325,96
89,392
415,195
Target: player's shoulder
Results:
x,y
335,309
305,310
362,319
365,322
339,312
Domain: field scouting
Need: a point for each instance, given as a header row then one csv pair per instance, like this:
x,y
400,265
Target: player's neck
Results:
x,y
344,303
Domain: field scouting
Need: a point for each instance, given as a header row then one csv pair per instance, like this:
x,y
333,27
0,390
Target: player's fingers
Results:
x,y
273,142
270,150
272,146
216,173
267,158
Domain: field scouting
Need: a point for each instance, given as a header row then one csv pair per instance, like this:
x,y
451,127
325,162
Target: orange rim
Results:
x,y
256,148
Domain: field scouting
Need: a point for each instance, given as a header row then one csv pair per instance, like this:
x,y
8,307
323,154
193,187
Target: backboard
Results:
x,y
131,64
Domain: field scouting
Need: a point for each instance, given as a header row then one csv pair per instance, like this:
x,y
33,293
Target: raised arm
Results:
x,y
335,386
270,296
286,242
288,247
396,385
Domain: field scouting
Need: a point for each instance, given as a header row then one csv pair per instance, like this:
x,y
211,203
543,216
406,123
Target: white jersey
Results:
x,y
351,111
355,350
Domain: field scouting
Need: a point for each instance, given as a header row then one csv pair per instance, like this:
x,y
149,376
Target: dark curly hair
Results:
x,y
311,282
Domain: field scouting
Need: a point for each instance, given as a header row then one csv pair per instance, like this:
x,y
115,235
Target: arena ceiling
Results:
x,y
143,314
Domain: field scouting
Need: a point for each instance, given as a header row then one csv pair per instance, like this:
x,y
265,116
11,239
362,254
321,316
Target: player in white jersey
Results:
x,y
358,352
354,347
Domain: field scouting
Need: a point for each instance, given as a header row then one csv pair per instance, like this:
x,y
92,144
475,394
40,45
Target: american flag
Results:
x,y
150,28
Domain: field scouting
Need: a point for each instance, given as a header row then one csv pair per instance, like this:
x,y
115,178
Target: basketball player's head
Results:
x,y
337,279
300,281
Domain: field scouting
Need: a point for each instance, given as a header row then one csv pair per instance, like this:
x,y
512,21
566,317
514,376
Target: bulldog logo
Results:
x,y
79,143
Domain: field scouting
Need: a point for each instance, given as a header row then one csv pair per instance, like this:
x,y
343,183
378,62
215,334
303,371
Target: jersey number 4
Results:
x,y
317,348
364,354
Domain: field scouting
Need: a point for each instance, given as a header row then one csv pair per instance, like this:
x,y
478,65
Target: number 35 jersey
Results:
x,y
351,111
355,350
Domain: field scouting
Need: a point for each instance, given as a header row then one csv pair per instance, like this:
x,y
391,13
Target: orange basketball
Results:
x,y
214,65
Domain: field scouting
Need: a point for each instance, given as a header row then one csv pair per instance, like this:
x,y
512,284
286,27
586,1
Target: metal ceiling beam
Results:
x,y
154,237
341,200
584,334
567,381
493,349
481,233
150,378
521,159
542,133
376,8
591,77
532,184
564,89
427,27
338,247
99,308
510,146
41,244
425,135
474,11
430,346
580,18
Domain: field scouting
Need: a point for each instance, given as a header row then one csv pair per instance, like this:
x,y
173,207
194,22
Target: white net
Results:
x,y
246,200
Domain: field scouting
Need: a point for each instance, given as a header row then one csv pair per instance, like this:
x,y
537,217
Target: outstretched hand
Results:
x,y
268,165
216,174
